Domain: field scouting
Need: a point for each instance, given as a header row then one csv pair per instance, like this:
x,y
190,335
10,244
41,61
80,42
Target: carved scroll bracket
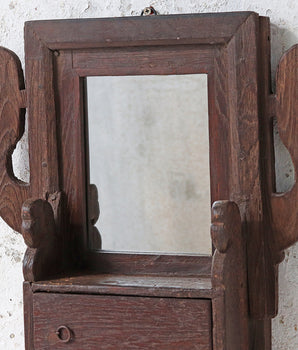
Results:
x,y
284,206
13,192
229,276
39,220
43,257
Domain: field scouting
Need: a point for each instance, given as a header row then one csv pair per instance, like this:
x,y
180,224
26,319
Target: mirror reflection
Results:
x,y
149,157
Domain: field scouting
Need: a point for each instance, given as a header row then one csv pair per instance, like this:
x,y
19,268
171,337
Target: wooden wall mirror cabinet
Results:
x,y
160,85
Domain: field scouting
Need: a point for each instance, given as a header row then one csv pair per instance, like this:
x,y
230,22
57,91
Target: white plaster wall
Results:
x,y
284,18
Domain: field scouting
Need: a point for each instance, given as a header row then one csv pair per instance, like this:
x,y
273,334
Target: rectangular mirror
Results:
x,y
149,157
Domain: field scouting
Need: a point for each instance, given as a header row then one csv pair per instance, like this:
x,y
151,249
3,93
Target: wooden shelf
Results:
x,y
119,284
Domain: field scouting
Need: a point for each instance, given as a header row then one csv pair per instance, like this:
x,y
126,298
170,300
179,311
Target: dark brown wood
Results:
x,y
28,316
13,192
44,175
229,282
285,205
43,256
210,29
108,322
142,285
138,263
244,173
263,295
183,59
69,89
58,223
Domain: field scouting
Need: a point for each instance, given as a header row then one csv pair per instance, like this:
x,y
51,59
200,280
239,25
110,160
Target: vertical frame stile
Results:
x,y
70,89
84,117
246,184
267,165
218,126
42,127
28,316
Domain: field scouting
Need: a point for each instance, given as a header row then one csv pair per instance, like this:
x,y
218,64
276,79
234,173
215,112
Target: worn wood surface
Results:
x,y
245,185
263,280
184,59
69,92
28,316
229,282
142,285
233,49
43,256
42,127
211,29
285,205
233,116
108,322
158,264
13,192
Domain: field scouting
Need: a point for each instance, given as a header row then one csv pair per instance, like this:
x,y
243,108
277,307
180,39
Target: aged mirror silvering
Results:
x,y
149,157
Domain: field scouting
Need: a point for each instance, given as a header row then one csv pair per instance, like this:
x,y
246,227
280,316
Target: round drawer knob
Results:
x,y
63,334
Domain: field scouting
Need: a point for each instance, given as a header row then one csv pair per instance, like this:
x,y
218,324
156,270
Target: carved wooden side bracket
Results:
x,y
43,257
38,220
229,277
13,192
285,206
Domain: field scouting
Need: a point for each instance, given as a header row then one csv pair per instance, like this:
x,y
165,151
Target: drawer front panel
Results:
x,y
68,321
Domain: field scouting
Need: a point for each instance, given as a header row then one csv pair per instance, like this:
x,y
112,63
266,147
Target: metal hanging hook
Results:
x,y
149,11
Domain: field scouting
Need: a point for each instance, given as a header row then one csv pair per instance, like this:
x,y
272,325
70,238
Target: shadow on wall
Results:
x,y
281,40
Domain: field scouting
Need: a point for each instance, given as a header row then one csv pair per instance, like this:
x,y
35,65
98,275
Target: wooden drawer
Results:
x,y
119,322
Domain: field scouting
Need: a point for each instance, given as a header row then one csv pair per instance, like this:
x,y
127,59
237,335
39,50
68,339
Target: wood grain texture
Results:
x,y
285,205
28,316
69,101
107,322
245,183
43,257
211,29
182,59
233,51
265,275
13,192
140,263
42,126
229,282
142,285
33,217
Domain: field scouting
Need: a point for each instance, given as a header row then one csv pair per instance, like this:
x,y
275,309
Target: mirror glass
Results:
x,y
149,158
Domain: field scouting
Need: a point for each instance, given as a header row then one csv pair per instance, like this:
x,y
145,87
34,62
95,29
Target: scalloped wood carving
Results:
x,y
43,257
13,192
229,282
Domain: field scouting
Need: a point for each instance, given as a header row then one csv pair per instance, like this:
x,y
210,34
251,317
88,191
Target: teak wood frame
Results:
x,y
57,210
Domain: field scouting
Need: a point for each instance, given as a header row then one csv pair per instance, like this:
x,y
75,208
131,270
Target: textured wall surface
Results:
x,y
13,14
